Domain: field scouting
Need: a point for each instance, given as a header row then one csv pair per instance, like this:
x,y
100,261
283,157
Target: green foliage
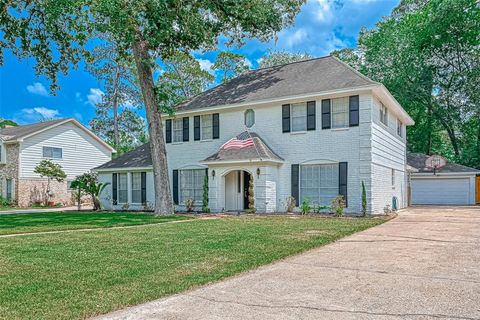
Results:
x,y
276,58
305,206
338,205
364,200
189,204
251,197
4,202
205,208
88,183
6,122
182,78
51,170
426,53
230,65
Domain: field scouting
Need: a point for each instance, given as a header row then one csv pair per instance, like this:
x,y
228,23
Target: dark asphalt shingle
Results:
x,y
137,158
417,161
303,77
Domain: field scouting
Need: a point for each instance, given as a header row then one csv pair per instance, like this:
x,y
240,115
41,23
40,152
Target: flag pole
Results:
x,y
259,156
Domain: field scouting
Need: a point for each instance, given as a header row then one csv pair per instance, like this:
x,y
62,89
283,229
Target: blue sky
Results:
x,y
320,27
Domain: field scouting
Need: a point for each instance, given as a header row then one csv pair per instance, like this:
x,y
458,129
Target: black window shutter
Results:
x,y
143,176
286,118
354,111
326,114
342,180
175,186
216,126
196,128
168,130
311,115
186,132
114,188
295,178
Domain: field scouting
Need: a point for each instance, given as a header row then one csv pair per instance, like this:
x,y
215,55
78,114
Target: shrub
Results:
x,y
338,204
290,203
364,200
205,207
251,197
189,203
387,209
4,202
305,207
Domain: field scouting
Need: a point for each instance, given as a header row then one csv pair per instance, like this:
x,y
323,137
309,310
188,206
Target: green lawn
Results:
x,y
52,221
81,274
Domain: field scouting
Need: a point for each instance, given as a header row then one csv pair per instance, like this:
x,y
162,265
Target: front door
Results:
x,y
246,184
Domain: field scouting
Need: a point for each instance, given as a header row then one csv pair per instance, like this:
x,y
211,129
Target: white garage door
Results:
x,y
440,191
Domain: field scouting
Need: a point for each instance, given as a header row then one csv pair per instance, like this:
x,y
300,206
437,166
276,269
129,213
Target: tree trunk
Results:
x,y
163,196
115,111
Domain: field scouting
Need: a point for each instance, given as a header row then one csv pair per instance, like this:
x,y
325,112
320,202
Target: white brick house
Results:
x,y
64,141
319,128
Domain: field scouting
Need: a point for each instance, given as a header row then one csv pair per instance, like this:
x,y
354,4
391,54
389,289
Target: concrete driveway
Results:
x,y
425,264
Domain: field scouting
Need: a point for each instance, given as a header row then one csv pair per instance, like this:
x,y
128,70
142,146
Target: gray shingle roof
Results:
x,y
14,133
417,161
259,151
137,158
303,77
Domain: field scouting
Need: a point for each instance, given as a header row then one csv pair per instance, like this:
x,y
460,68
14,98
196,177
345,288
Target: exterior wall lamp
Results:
x,y
213,174
258,172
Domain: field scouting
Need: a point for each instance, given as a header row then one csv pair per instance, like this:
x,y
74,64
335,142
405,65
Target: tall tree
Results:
x,y
130,129
230,65
5,122
426,53
55,34
118,75
182,78
276,58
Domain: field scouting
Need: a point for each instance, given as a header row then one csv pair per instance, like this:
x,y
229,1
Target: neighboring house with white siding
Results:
x,y
312,130
64,141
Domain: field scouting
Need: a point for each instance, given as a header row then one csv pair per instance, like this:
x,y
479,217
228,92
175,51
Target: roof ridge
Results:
x,y
358,73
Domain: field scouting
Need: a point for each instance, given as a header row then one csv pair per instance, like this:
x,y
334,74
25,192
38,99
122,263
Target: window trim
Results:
x,y
131,187
181,199
383,114
119,174
298,105
335,186
399,128
201,127
52,148
347,113
245,118
174,121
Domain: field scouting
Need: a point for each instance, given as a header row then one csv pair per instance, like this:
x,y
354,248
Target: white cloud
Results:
x,y
323,10
205,64
40,112
248,63
297,37
95,96
37,88
78,116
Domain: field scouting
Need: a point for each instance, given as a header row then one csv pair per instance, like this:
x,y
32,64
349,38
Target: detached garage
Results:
x,y
452,184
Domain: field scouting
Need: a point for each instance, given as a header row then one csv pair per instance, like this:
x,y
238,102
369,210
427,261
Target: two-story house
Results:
x,y
310,130
64,141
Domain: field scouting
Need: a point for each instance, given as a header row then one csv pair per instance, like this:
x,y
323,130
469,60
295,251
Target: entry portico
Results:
x,y
231,169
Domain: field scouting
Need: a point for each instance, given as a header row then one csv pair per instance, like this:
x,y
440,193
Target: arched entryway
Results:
x,y
236,190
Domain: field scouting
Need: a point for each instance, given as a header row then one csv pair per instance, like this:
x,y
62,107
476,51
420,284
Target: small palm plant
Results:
x,y
88,183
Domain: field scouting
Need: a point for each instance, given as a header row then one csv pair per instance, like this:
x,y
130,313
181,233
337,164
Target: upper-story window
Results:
x,y
206,126
249,118
340,112
52,152
177,131
299,116
399,128
383,114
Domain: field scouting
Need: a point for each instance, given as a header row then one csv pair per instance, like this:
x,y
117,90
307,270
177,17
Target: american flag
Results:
x,y
240,141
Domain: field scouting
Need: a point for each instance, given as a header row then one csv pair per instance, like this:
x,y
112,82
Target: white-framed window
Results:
x,y
319,183
340,112
249,118
299,116
177,130
383,114
52,153
399,128
206,126
122,188
136,191
393,178
191,184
